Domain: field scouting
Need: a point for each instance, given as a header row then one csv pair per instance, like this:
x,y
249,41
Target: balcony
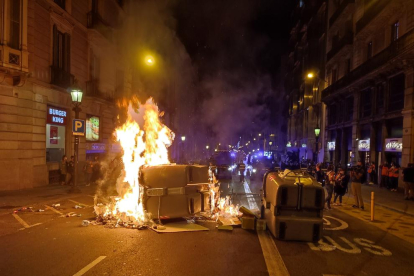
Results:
x,y
339,11
337,46
399,46
371,13
60,77
92,90
96,22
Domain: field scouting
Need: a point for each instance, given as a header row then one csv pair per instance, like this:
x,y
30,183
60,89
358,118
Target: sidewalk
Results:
x,y
11,200
390,200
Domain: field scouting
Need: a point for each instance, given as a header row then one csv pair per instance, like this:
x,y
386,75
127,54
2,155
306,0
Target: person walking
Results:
x,y
393,175
356,177
70,170
341,185
408,177
319,174
329,185
384,175
63,170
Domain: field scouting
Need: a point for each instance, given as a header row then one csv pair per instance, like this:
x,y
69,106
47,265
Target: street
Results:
x,y
50,243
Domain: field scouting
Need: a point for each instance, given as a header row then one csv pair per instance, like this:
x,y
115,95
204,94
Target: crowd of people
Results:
x,y
67,169
336,180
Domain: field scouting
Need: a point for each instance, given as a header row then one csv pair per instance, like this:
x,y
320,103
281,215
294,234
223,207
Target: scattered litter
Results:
x,y
246,212
56,205
178,227
78,207
40,210
85,223
233,221
70,214
190,220
79,215
225,227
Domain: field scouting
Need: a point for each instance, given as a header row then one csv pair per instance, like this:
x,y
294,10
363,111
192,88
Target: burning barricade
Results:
x,y
145,186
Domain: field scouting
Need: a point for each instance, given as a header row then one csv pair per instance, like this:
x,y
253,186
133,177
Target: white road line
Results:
x,y
54,210
274,262
89,266
22,222
80,203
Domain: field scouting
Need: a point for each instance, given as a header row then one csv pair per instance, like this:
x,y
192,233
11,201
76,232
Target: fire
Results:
x,y
140,148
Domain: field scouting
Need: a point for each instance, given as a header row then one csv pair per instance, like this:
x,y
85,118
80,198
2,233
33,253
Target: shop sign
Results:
x,y
303,145
331,146
393,144
364,145
95,147
289,144
56,116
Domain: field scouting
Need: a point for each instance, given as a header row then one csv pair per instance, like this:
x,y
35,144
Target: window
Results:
x,y
396,92
369,50
61,50
395,31
14,39
349,110
380,99
332,114
366,103
60,3
347,66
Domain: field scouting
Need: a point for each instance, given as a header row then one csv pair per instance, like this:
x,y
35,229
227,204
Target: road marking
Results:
x,y
369,245
353,250
22,222
343,225
80,203
89,266
54,210
274,262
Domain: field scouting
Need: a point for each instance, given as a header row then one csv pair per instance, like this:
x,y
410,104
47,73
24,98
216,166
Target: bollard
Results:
x,y
372,206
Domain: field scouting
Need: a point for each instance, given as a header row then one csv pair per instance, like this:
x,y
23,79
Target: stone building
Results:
x,y
307,46
369,69
46,47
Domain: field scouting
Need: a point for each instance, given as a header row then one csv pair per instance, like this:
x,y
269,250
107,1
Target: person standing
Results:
x,y
384,175
319,175
329,185
63,170
372,174
356,177
393,175
408,177
341,185
70,170
88,170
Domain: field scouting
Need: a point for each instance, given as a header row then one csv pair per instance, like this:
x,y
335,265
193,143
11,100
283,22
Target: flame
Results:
x,y
140,148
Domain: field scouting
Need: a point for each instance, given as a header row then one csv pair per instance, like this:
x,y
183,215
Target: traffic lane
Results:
x,y
239,189
63,247
349,251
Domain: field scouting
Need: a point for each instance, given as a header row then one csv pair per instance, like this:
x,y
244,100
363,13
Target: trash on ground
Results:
x,y
246,212
40,210
79,215
78,207
85,223
233,221
177,227
225,227
56,205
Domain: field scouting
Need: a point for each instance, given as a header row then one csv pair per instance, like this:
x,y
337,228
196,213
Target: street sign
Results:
x,y
78,127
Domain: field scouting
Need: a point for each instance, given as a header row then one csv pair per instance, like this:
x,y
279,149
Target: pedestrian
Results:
x,y
88,169
384,175
63,170
356,180
70,170
329,185
408,177
393,175
341,185
242,169
372,174
319,174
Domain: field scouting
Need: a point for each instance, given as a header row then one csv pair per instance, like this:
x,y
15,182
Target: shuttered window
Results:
x,y
15,9
61,50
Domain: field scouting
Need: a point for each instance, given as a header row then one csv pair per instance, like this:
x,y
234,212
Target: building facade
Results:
x,y
305,79
369,69
47,47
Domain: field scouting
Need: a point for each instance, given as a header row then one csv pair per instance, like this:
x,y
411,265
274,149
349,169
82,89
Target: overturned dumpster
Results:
x,y
292,205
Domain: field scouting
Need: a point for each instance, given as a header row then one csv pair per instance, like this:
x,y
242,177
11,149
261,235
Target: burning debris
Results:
x,y
148,186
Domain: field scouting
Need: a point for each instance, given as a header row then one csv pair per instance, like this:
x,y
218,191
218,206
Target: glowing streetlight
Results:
x,y
270,143
149,60
254,139
207,147
260,134
183,138
310,75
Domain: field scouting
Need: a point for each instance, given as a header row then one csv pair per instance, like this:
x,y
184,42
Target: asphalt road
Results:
x,y
45,243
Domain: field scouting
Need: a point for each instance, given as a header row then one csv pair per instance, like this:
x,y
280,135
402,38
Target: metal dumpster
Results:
x,y
292,205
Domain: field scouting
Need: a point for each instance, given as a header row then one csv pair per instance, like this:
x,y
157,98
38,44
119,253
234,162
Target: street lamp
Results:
x,y
270,143
149,60
76,94
183,138
310,75
260,134
207,147
317,132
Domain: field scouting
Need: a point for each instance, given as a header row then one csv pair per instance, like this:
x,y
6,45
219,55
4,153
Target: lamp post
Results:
x,y
76,94
317,132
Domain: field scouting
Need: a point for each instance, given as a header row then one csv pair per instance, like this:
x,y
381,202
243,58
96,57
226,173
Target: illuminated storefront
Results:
x,y
55,133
